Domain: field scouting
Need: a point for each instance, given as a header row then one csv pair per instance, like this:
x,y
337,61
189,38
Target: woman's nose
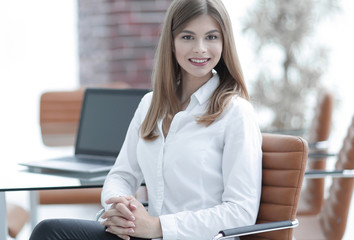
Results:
x,y
199,46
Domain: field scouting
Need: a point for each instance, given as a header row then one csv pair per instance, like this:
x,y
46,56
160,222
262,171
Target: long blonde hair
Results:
x,y
166,71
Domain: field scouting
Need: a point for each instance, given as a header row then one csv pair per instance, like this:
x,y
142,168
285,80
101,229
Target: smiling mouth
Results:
x,y
199,60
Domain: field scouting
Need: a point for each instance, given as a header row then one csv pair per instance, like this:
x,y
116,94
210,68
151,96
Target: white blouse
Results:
x,y
200,179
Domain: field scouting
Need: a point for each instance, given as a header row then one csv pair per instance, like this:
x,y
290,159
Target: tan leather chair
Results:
x,y
312,195
284,162
17,217
330,223
59,119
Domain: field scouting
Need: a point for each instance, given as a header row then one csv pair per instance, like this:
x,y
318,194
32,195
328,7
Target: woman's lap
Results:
x,y
71,229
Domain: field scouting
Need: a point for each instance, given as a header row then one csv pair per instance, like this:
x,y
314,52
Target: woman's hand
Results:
x,y
120,219
146,226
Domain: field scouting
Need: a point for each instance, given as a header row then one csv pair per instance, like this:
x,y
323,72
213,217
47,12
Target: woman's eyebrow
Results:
x,y
213,31
189,32
193,33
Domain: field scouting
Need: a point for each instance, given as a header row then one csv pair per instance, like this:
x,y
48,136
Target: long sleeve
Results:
x,y
125,176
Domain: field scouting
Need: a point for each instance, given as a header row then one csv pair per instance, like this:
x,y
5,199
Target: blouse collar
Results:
x,y
205,92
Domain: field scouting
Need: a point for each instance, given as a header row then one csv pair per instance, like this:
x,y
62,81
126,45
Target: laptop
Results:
x,y
104,120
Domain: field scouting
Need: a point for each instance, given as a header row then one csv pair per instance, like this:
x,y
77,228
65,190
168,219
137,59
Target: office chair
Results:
x,y
284,162
330,223
59,117
17,217
312,194
311,198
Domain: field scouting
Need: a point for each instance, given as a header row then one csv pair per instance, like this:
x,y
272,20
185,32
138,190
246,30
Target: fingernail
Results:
x,y
132,218
131,230
132,225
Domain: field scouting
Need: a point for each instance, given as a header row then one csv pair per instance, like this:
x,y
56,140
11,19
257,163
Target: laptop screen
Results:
x,y
105,118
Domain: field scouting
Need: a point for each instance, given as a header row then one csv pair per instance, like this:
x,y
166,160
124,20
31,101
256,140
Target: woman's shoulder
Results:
x,y
239,109
240,112
238,103
147,98
143,107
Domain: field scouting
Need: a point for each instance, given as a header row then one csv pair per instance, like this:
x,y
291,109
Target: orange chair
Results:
x,y
311,198
284,162
330,223
59,117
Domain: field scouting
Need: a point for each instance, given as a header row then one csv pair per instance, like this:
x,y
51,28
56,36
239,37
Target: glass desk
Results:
x,y
17,178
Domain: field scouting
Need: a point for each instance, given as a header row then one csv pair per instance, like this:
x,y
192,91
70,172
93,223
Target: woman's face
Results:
x,y
198,48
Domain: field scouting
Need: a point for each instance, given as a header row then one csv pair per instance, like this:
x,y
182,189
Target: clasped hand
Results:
x,y
128,217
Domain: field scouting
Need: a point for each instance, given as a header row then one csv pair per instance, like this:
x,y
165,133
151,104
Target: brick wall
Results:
x,y
117,40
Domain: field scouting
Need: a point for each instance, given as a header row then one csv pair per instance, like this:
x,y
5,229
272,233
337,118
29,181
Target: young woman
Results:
x,y
194,140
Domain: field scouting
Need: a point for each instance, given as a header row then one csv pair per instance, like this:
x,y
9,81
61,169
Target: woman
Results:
x,y
194,140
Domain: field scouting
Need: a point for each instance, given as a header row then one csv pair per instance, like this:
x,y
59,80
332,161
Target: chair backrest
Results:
x,y
334,214
59,116
312,195
321,123
284,162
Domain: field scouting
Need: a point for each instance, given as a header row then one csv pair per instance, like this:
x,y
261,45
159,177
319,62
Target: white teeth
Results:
x,y
199,61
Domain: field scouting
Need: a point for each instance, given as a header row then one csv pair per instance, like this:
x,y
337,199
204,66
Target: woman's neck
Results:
x,y
190,86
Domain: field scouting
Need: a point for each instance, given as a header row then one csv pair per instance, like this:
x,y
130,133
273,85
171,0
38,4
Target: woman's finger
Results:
x,y
120,210
121,199
125,212
125,237
118,221
120,231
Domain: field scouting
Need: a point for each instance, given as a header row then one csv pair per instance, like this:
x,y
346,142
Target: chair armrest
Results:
x,y
257,228
346,173
320,146
293,132
316,155
99,214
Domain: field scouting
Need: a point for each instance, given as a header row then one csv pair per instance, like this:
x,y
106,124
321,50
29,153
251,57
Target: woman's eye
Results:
x,y
212,37
187,37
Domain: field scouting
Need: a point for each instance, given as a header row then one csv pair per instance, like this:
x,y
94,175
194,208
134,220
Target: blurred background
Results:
x,y
288,50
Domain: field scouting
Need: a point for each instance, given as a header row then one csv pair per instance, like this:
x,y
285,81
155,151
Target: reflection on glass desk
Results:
x,y
18,178
35,179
